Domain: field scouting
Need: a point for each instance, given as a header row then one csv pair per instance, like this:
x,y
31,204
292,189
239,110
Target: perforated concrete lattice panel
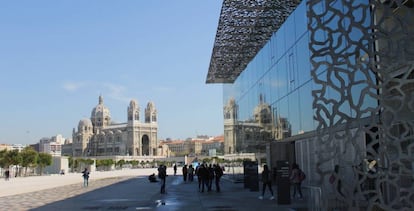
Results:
x,y
363,66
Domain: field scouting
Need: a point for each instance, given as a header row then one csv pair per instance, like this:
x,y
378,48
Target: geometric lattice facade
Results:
x,y
244,27
340,74
363,51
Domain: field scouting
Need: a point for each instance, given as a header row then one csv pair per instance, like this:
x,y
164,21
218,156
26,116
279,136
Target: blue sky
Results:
x,y
57,57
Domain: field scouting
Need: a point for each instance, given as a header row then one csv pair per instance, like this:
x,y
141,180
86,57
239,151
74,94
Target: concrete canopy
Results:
x,y
244,28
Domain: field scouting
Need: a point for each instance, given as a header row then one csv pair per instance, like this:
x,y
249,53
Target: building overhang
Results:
x,y
244,28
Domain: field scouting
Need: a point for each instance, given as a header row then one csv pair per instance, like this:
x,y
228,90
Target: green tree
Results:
x,y
134,163
120,163
104,164
44,159
75,165
98,164
89,162
3,160
13,158
108,163
71,163
29,158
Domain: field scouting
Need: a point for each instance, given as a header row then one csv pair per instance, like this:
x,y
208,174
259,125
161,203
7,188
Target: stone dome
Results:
x,y
100,115
85,124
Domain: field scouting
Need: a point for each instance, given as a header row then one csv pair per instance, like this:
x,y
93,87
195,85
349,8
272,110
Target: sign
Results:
x,y
283,182
251,175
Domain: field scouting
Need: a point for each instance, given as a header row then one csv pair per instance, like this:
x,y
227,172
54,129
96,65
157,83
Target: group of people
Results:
x,y
206,174
296,177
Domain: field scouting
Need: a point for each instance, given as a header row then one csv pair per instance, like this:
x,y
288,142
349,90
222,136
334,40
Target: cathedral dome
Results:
x,y
100,110
85,122
263,112
84,125
100,115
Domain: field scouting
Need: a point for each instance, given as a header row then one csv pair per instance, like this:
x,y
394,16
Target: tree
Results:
x,y
29,158
134,163
108,163
120,163
3,160
75,165
44,159
13,158
71,163
104,164
89,162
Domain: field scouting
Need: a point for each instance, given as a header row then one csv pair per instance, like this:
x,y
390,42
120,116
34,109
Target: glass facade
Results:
x,y
336,80
280,73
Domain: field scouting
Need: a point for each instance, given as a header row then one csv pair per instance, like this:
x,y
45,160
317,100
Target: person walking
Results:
x,y
210,177
296,180
197,173
190,173
175,169
218,172
185,173
203,174
7,175
85,175
162,174
267,181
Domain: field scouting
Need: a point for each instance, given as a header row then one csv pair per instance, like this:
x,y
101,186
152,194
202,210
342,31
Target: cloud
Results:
x,y
72,86
113,91
117,92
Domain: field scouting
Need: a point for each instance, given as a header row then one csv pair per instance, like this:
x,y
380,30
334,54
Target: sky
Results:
x,y
57,57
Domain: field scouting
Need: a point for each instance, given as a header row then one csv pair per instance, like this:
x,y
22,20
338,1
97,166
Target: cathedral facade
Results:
x,y
250,133
99,136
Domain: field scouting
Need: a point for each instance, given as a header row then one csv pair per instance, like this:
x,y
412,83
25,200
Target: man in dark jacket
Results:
x,y
218,172
162,174
203,174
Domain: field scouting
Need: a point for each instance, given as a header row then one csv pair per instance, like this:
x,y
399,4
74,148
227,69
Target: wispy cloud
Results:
x,y
114,91
117,92
72,86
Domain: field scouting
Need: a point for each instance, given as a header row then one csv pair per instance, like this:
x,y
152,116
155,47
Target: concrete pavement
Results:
x,y
132,191
18,185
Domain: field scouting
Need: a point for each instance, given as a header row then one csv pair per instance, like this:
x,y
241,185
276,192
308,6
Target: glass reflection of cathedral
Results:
x,y
99,136
252,134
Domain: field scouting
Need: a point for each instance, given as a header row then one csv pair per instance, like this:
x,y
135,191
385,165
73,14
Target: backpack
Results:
x,y
302,175
332,179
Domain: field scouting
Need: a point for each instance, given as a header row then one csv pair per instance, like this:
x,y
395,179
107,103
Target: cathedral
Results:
x,y
98,136
251,134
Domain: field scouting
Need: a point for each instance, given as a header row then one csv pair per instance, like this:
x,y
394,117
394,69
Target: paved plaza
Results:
x,y
130,190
